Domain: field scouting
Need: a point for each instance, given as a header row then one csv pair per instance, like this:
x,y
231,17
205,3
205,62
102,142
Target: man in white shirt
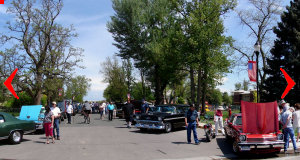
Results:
x,y
69,112
56,112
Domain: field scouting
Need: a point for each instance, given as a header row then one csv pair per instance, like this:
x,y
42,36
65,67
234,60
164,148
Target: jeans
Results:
x,y
110,114
192,126
69,117
56,126
289,132
101,114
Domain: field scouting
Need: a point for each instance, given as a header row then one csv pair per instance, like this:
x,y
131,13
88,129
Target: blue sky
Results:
x,y
89,18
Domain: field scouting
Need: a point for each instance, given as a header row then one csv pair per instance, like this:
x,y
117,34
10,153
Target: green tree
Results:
x,y
137,92
215,97
237,86
77,88
227,99
286,55
246,85
144,31
115,76
43,50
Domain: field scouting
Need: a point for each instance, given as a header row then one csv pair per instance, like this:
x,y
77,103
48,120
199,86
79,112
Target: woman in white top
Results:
x,y
296,120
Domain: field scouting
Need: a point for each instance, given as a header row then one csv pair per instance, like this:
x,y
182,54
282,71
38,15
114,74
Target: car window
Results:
x,y
231,118
165,109
181,109
2,119
238,120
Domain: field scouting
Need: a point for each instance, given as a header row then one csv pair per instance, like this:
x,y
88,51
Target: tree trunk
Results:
x,y
38,89
204,88
143,84
199,89
192,85
159,87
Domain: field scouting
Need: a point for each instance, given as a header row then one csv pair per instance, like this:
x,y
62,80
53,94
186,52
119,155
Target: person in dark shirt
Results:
x,y
144,107
191,122
128,112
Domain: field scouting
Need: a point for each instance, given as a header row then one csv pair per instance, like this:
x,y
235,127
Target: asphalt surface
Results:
x,y
111,140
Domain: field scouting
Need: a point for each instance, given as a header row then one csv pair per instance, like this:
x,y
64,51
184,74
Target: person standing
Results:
x,y
110,108
191,122
288,130
128,112
218,119
229,111
69,112
48,124
102,109
56,113
144,107
296,120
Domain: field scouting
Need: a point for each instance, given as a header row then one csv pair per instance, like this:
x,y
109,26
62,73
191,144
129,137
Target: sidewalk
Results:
x,y
201,125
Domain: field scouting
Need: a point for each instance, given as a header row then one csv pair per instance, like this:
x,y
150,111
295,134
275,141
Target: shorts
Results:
x,y
87,111
128,118
297,129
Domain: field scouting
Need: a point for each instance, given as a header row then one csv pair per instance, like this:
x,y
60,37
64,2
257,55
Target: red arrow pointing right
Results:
x,y
7,83
290,82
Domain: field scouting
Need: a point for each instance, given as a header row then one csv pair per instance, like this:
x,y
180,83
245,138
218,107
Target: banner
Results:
x,y
259,118
252,70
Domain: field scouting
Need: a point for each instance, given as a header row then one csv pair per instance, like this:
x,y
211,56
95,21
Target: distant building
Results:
x,y
242,95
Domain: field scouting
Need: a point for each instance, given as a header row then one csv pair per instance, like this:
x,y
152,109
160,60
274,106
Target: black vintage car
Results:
x,y
163,117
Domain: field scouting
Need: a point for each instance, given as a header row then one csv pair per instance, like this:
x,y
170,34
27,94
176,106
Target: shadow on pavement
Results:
x,y
226,147
41,142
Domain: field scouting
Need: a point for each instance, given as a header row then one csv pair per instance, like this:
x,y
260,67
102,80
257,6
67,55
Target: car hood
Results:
x,y
259,118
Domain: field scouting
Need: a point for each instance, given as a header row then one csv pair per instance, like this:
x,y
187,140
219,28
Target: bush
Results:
x,y
24,99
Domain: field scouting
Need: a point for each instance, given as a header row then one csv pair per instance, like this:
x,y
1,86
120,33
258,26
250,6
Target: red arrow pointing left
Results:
x,y
7,83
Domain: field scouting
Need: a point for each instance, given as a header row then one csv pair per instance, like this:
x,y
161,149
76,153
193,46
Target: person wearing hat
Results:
x,y
288,130
56,113
191,122
218,119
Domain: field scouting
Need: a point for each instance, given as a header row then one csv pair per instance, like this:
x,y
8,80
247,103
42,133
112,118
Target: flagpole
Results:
x,y
256,50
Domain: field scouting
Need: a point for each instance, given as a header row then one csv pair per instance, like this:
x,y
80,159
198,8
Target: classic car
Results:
x,y
163,117
13,129
33,113
271,142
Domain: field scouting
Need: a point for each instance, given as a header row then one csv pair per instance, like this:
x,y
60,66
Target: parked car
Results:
x,y
33,113
163,117
119,109
13,129
247,142
63,108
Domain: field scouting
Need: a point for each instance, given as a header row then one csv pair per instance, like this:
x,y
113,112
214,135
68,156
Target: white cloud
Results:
x,y
3,9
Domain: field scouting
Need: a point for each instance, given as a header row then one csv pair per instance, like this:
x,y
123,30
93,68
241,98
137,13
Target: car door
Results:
x,y
3,130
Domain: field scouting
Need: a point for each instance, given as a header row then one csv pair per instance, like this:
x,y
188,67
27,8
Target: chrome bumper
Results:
x,y
246,146
39,126
149,124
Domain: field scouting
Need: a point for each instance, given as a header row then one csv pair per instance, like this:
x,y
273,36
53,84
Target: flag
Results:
x,y
252,70
1,1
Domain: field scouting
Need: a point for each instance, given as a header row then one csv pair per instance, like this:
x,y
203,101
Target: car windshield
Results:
x,y
238,120
165,109
182,109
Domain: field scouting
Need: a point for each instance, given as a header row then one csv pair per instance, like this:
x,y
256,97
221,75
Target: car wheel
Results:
x,y
208,138
168,127
16,137
235,147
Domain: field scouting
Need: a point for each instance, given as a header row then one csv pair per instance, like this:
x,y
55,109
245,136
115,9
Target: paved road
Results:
x,y
112,140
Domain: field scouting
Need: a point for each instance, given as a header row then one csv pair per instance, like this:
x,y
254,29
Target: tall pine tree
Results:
x,y
285,55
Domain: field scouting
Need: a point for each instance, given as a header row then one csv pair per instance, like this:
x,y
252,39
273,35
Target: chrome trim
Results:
x,y
147,121
30,131
160,127
173,118
267,144
5,137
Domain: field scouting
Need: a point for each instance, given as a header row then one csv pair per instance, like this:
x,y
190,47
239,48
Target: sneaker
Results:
x,y
58,138
197,143
296,151
285,152
189,142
